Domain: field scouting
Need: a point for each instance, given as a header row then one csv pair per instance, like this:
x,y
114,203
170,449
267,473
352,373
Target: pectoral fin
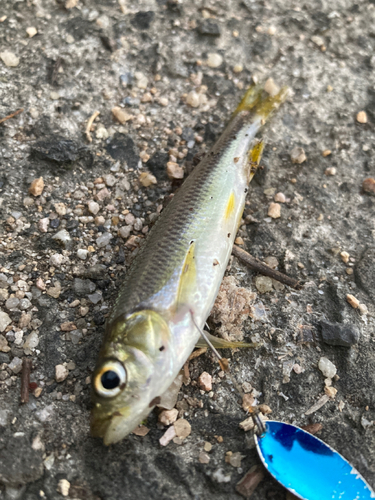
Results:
x,y
188,276
255,155
219,343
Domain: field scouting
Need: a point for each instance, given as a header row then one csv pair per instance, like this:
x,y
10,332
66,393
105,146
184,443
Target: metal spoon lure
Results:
x,y
306,466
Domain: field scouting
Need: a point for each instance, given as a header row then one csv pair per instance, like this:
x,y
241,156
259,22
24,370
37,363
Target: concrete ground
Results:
x,y
165,76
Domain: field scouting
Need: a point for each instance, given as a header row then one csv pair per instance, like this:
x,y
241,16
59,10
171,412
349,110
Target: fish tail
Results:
x,y
260,103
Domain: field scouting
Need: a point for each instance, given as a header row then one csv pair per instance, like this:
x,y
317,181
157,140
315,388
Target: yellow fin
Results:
x,y
219,343
230,206
251,98
261,103
255,155
188,277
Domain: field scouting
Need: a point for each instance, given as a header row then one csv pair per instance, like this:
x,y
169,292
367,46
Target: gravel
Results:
x,y
177,72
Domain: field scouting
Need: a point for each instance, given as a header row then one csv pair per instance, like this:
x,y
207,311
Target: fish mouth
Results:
x,y
99,425
113,427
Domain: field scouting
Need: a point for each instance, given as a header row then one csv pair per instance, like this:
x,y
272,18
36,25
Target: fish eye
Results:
x,y
110,379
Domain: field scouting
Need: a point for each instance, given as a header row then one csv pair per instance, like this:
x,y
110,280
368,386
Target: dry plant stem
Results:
x,y
197,353
258,266
25,379
12,115
89,123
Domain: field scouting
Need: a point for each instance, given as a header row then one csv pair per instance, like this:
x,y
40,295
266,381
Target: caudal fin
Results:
x,y
261,103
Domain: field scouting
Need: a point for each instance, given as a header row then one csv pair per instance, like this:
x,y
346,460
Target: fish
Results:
x,y
170,288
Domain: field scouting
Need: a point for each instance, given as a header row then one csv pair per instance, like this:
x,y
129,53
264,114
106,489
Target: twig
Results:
x,y
25,379
55,70
197,353
89,123
258,266
12,115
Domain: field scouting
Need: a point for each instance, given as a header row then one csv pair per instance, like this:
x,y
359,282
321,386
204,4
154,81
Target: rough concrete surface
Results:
x,y
146,58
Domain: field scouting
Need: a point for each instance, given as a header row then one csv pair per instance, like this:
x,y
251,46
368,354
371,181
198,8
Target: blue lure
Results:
x,y
308,467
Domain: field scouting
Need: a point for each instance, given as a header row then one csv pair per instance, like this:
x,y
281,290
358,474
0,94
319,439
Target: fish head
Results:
x,y
133,357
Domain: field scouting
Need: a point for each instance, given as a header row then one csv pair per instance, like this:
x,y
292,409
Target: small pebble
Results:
x,y
101,132
204,458
368,185
142,80
235,459
99,220
125,231
62,237
9,59
103,194
326,152
110,180
54,96
61,373
82,254
31,342
327,367
298,155
352,301
330,171
121,115
344,257
141,430
247,387
247,401
362,117
331,392
263,284
63,487
36,187
147,97
247,424
265,409
205,382
214,60
28,201
238,68
60,209
271,88
192,99
147,179
43,224
163,101
31,31
274,210
207,447
362,309
182,428
239,241
167,437
40,284
15,365
56,259
174,171
104,239
280,197
168,417
271,262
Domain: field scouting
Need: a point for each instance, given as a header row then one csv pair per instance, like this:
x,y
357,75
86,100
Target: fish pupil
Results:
x,y
110,380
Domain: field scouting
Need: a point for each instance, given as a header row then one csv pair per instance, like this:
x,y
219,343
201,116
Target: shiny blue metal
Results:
x,y
308,467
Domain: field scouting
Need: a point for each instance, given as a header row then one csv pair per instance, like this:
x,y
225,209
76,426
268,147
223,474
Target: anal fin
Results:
x,y
219,343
